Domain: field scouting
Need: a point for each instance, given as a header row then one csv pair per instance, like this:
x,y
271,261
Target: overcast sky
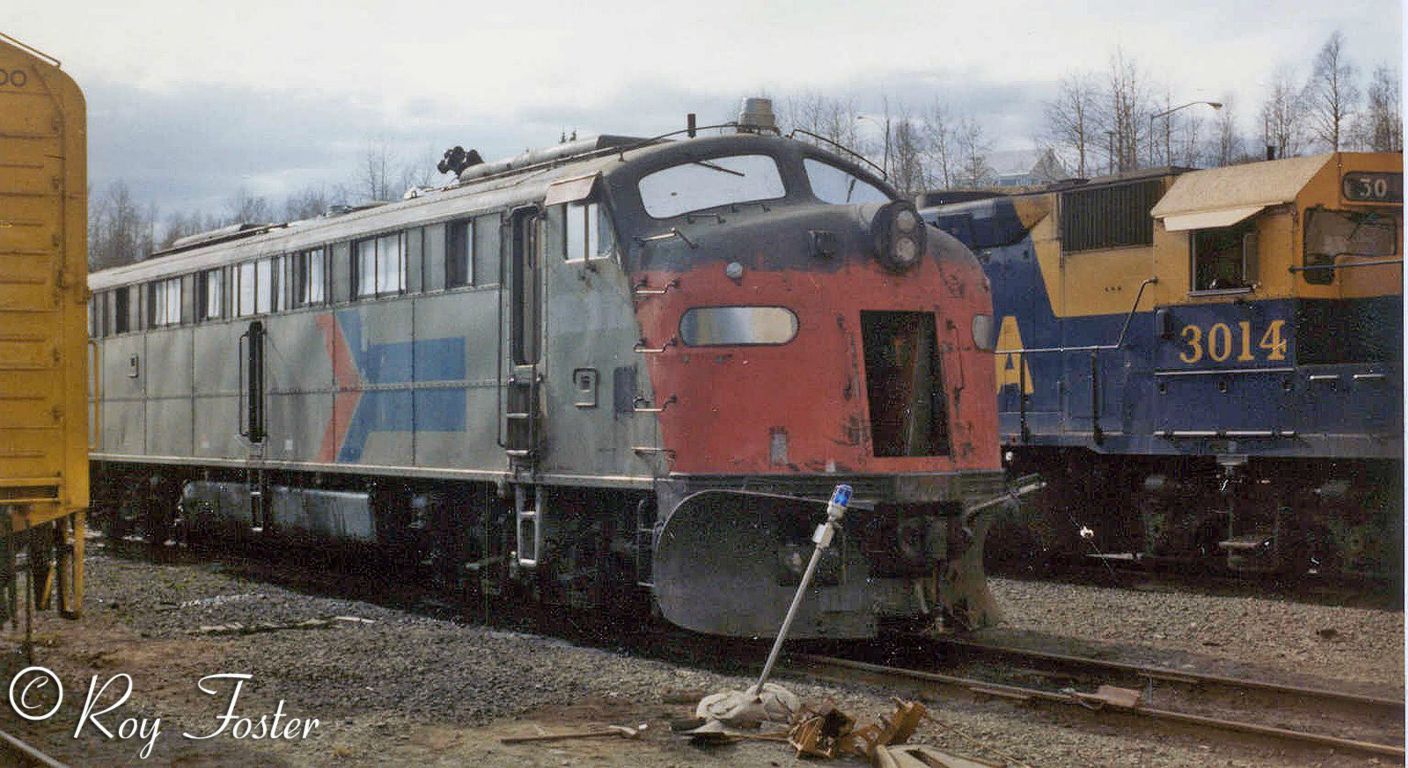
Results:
x,y
190,103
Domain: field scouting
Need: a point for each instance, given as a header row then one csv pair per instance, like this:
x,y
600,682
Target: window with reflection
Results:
x,y
588,232
380,265
264,286
310,275
737,326
716,181
1330,235
833,185
459,253
164,302
245,289
210,292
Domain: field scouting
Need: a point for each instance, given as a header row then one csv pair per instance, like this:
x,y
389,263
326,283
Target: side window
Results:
x,y
264,286
244,289
838,187
310,277
486,249
210,294
164,303
122,310
588,231
1224,258
380,265
459,253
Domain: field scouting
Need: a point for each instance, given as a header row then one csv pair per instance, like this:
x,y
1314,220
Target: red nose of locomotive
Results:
x,y
826,339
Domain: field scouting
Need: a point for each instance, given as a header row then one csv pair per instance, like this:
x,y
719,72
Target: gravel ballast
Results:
x,y
392,687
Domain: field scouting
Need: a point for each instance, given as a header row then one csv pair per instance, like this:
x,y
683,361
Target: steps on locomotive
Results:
x,y
521,415
529,524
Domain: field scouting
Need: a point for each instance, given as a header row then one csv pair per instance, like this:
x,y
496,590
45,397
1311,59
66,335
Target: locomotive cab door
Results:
x,y
520,426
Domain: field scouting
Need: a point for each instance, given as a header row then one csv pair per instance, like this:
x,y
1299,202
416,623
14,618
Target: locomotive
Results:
x,y
616,371
1205,366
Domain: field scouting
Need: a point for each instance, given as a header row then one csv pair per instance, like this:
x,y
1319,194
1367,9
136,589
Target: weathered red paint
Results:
x,y
730,399
344,373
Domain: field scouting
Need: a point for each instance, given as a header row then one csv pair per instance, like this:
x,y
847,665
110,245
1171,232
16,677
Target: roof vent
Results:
x,y
757,116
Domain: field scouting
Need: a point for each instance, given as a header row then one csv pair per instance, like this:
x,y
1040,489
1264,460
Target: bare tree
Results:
x,y
907,171
374,178
973,168
421,171
940,146
306,203
1283,115
120,230
1071,121
1127,104
832,119
1186,144
1331,93
245,208
1379,127
1226,143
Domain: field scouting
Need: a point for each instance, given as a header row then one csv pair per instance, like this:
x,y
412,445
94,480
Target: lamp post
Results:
x,y
1165,115
885,164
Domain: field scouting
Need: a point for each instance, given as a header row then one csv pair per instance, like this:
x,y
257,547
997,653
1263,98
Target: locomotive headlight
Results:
x,y
906,251
899,236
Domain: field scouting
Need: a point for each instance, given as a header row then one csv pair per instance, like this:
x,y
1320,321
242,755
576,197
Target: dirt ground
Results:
x,y
392,688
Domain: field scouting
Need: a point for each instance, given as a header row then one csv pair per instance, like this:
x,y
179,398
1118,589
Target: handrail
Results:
x,y
1092,347
1350,265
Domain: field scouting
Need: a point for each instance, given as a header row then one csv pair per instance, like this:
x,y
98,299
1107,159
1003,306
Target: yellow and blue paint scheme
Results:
x,y
1279,363
1212,357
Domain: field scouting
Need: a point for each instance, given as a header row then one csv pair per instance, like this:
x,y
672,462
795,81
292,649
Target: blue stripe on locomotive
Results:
x,y
1148,386
402,362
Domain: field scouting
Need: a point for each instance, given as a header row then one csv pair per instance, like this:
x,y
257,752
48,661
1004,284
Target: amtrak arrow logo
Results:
x,y
379,386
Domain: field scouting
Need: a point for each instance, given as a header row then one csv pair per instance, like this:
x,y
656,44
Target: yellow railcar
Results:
x,y
43,334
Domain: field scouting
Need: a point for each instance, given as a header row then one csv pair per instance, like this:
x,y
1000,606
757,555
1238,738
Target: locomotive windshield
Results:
x,y
839,187
1330,234
700,184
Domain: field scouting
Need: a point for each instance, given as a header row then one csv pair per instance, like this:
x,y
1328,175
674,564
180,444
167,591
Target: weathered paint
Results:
x,y
43,266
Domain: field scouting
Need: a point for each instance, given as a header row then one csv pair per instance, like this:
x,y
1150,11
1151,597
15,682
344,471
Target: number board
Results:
x,y
1259,335
1365,187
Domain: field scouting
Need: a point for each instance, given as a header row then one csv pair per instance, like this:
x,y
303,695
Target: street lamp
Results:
x,y
1165,115
885,165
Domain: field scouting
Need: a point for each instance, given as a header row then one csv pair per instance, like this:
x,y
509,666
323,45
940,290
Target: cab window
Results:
x,y
1330,235
716,181
838,187
1224,258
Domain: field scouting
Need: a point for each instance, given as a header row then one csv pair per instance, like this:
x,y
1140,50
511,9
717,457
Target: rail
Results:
x,y
1093,703
28,754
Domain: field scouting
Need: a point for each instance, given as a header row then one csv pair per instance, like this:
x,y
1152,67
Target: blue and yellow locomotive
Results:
x,y
1205,363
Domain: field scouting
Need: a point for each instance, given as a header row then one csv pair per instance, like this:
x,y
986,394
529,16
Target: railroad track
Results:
x,y
1358,723
25,754
1202,700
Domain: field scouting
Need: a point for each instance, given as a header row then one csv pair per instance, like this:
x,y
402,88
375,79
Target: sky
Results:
x,y
191,102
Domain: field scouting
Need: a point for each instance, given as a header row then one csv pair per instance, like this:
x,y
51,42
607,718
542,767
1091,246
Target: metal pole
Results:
x,y
835,510
1151,141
